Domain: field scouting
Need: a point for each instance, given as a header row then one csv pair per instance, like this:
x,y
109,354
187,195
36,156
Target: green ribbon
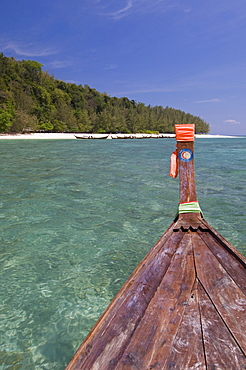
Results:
x,y
189,207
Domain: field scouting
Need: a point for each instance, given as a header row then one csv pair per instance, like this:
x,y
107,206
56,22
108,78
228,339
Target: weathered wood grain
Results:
x,y
159,325
231,264
221,350
230,248
187,175
225,294
187,350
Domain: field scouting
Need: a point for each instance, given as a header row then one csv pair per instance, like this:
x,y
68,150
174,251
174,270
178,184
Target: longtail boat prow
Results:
x,y
184,305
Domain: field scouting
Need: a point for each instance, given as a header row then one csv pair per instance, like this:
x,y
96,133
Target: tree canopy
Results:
x,y
33,100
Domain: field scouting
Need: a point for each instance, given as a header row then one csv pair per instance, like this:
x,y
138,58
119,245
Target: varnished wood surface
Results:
x,y
183,308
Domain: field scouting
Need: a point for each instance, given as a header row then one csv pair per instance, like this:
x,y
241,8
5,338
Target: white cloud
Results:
x,y
232,121
129,7
208,101
122,11
72,82
26,50
60,64
111,66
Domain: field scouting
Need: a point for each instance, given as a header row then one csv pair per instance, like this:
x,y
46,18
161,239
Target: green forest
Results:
x,y
31,100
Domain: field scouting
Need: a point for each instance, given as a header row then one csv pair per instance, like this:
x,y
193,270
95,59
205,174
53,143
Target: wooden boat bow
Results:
x,y
184,305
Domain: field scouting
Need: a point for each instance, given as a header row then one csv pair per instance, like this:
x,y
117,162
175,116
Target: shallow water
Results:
x,y
77,217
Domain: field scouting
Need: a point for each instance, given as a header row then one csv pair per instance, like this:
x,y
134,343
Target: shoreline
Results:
x,y
71,136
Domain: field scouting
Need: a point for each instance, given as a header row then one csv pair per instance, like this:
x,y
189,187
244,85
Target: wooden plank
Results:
x,y
159,325
106,342
225,243
187,174
230,263
221,350
226,296
187,351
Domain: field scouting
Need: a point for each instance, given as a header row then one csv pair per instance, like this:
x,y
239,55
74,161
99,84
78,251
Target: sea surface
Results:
x,y
77,216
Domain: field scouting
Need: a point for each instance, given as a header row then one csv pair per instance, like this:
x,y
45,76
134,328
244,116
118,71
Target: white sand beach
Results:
x,y
71,136
38,136
208,136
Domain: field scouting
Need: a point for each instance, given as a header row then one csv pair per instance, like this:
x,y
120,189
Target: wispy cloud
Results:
x,y
26,50
208,101
72,82
146,89
109,67
232,121
129,7
205,80
151,89
60,64
121,12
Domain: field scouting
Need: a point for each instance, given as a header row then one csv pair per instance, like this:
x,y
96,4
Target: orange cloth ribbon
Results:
x,y
185,132
174,164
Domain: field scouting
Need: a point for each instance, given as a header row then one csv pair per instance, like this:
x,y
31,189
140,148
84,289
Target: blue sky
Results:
x,y
185,54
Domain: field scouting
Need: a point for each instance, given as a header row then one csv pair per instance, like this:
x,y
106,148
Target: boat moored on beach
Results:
x,y
123,136
92,136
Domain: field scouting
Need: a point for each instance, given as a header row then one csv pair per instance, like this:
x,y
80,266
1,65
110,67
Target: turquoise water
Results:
x,y
76,217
